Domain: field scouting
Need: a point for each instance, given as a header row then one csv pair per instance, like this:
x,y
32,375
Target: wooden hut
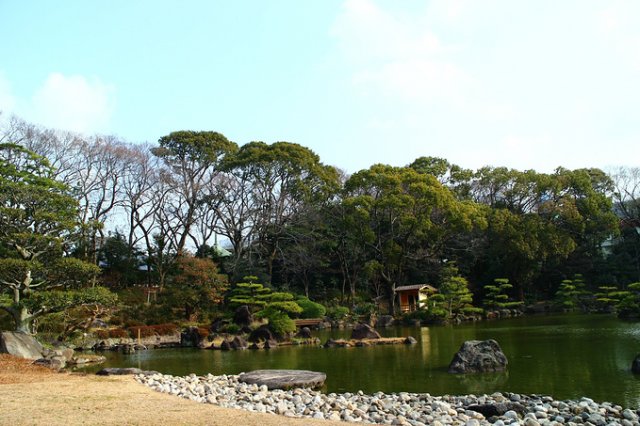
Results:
x,y
413,297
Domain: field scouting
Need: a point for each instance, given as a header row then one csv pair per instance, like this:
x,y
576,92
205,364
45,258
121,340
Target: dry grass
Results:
x,y
33,395
20,370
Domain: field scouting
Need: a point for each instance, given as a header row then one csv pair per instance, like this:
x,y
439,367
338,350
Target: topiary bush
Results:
x,y
311,309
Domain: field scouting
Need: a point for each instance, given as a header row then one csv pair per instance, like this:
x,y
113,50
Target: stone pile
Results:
x,y
499,409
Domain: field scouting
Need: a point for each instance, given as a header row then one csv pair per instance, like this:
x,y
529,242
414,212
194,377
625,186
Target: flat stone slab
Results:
x,y
284,379
123,371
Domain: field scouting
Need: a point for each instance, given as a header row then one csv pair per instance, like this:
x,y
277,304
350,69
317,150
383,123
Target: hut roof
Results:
x,y
421,287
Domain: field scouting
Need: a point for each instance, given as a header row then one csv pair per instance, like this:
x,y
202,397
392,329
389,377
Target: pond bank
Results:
x,y
402,408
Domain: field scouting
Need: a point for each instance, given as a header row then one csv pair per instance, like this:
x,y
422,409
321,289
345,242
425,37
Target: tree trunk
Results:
x,y
392,299
22,319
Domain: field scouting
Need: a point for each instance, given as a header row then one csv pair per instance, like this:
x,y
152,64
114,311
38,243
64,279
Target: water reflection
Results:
x,y
563,356
425,343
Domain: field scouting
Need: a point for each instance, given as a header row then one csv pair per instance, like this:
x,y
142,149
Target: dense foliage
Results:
x,y
192,215
37,221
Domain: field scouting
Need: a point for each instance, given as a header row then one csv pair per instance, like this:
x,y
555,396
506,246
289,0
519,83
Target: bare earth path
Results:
x,y
31,395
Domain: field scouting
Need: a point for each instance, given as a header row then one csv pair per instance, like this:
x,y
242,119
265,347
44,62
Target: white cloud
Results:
x,y
73,103
397,55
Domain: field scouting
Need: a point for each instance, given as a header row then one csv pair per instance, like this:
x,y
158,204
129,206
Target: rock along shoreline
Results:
x,y
401,408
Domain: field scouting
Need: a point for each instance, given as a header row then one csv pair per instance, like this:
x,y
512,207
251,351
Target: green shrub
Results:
x,y
470,310
338,313
364,308
280,323
629,305
433,315
311,309
52,323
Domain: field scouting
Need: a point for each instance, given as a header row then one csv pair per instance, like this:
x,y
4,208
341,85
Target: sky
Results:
x,y
531,84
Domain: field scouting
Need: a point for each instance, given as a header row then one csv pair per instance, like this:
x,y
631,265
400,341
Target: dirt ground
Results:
x,y
32,395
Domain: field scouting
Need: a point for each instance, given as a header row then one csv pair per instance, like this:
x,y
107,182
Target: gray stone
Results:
x,y
54,363
270,344
629,415
478,356
385,321
410,340
531,422
190,337
261,333
20,344
242,316
364,331
597,419
304,333
239,343
87,359
284,379
499,409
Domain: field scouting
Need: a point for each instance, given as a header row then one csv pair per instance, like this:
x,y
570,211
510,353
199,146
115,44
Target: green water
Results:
x,y
565,356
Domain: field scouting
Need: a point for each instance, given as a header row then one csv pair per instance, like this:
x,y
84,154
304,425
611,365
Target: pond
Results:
x,y
565,356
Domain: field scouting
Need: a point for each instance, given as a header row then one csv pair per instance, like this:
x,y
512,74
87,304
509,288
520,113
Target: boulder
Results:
x,y
364,331
330,343
127,349
239,343
410,340
243,316
270,344
385,321
218,324
478,356
66,353
54,363
190,337
284,379
497,409
304,333
261,333
235,344
20,344
87,359
635,365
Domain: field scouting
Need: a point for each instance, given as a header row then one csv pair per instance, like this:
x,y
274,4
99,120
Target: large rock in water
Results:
x,y
20,344
284,379
261,333
364,331
478,356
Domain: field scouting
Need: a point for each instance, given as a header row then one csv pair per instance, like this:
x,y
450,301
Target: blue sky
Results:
x,y
524,84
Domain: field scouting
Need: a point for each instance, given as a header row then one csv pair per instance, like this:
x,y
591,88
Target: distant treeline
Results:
x,y
278,213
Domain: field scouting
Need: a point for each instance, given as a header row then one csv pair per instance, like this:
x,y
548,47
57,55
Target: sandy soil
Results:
x,y
32,395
